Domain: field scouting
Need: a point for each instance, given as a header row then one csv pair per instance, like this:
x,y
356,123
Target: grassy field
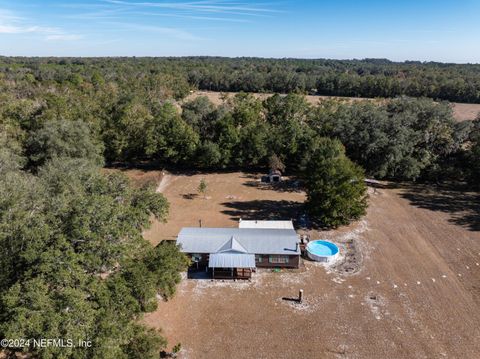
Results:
x,y
461,111
408,285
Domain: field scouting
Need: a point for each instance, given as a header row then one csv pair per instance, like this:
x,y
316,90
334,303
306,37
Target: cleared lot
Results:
x,y
416,293
461,111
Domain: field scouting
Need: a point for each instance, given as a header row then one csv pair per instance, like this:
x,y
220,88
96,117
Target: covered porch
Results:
x,y
232,273
231,265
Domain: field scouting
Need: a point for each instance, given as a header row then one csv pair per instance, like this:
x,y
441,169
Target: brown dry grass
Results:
x,y
461,111
417,294
138,177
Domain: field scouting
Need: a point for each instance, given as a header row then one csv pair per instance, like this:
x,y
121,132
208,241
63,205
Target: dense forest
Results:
x,y
131,111
74,263
354,78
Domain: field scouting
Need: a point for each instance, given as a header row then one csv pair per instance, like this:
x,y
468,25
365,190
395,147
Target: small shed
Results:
x,y
274,176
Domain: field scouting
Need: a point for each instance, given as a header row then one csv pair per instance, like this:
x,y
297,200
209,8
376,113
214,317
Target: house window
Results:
x,y
196,257
258,258
278,259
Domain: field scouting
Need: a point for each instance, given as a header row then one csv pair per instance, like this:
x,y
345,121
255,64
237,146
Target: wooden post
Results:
x,y
300,295
200,223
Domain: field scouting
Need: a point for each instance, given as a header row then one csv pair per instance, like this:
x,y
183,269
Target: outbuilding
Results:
x,y
275,176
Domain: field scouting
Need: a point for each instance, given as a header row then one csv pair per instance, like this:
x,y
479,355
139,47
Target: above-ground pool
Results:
x,y
322,251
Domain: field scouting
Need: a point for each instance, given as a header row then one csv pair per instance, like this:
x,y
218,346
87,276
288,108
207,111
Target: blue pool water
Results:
x,y
322,248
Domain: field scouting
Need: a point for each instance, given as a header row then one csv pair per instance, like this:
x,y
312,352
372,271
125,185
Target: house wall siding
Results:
x,y
263,262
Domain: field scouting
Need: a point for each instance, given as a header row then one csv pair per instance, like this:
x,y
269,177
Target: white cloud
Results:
x,y
194,17
218,6
63,37
174,32
14,29
233,11
11,24
169,31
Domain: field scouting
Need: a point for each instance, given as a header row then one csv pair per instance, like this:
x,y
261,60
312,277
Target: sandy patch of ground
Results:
x,y
164,182
466,111
352,248
461,111
416,295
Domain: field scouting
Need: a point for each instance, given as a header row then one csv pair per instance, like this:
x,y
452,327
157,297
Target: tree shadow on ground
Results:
x,y
462,204
288,185
190,196
250,175
265,210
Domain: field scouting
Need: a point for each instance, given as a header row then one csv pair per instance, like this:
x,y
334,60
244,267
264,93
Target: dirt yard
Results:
x,y
461,111
229,197
414,294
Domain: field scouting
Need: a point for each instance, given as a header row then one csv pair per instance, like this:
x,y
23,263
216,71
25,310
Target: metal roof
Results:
x,y
231,260
253,240
265,224
232,245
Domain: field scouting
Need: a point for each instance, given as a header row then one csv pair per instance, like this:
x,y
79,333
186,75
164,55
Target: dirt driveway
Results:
x,y
417,294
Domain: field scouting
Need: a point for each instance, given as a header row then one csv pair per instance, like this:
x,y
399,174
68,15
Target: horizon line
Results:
x,y
365,59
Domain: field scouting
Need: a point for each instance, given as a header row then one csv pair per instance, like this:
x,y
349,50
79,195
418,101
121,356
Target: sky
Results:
x,y
425,30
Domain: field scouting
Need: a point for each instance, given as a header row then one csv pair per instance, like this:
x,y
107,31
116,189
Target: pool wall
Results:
x,y
322,258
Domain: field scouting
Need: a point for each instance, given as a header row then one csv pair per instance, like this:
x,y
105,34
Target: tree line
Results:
x,y
353,78
121,110
400,139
